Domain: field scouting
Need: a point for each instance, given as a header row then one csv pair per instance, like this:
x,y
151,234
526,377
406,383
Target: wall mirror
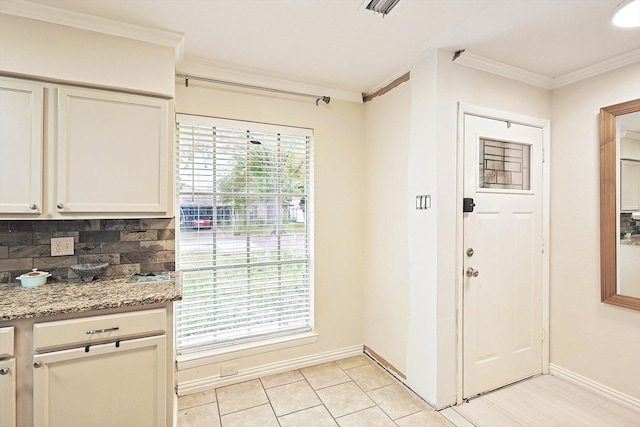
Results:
x,y
620,204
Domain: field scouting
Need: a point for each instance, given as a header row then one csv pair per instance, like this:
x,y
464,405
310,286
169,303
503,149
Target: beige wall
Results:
x,y
56,52
339,224
598,341
386,258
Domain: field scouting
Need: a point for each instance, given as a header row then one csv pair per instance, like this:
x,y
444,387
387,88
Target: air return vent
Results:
x,y
382,6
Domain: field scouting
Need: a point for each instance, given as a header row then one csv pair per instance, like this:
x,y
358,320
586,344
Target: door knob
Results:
x,y
472,272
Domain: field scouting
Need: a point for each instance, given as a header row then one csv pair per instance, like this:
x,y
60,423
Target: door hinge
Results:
x,y
543,335
543,156
543,246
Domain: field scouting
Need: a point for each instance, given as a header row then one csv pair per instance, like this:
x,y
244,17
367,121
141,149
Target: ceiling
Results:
x,y
338,44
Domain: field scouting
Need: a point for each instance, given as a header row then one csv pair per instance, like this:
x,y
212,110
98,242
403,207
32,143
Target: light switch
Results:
x,y
423,202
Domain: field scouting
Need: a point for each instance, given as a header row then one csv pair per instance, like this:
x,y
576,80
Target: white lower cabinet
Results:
x,y
8,393
105,381
7,379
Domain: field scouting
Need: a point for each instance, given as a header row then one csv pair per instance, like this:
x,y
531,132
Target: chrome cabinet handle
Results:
x,y
37,364
472,272
100,331
4,371
33,206
60,206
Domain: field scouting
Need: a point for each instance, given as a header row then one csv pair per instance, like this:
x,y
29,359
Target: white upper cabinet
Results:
x,y
69,152
630,186
112,152
21,147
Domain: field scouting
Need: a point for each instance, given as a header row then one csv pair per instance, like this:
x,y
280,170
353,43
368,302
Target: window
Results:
x,y
245,239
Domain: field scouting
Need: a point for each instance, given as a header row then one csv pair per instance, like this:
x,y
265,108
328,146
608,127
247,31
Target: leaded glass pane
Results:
x,y
504,165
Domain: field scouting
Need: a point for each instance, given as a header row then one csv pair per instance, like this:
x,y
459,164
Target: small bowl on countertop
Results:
x,y
87,272
33,278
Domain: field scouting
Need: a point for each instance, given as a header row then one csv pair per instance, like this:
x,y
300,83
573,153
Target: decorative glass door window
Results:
x,y
504,165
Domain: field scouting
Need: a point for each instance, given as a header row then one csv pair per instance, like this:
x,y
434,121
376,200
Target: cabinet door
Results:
x,y
21,146
109,385
8,393
113,153
630,185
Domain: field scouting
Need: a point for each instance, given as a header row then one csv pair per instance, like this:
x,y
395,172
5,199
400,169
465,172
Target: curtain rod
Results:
x,y
187,77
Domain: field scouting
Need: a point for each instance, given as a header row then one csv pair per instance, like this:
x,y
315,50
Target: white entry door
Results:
x,y
502,291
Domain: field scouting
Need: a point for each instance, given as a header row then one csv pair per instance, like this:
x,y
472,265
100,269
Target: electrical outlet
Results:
x,y
228,370
61,246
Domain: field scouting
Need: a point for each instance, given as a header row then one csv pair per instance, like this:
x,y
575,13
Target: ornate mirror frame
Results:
x,y
608,212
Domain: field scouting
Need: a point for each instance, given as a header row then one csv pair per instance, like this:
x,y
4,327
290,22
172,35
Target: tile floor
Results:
x,y
347,393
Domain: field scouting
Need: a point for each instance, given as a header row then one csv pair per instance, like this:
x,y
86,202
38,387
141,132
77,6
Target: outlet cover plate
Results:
x,y
228,370
61,246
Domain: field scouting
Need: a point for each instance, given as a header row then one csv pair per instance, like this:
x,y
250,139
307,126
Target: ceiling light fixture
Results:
x,y
382,6
626,14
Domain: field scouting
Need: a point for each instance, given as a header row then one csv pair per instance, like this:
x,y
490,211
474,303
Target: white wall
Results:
x,y
56,52
461,84
427,290
339,224
598,341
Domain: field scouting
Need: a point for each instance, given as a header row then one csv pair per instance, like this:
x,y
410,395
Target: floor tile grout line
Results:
x,y
304,409
375,404
198,405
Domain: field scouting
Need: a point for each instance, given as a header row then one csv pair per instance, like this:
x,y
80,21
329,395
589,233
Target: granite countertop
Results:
x,y
634,240
53,298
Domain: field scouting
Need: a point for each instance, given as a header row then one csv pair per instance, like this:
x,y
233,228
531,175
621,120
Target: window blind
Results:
x,y
245,240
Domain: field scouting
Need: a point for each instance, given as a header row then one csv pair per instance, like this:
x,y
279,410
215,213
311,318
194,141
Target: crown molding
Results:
x,y
545,82
41,12
202,67
630,134
599,68
494,67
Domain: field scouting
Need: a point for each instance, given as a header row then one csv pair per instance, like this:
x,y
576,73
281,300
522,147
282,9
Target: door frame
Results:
x,y
544,124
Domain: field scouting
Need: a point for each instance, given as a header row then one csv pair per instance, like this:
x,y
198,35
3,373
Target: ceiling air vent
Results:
x,y
382,6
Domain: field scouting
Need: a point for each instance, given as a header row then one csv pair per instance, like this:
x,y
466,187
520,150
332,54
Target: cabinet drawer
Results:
x,y
6,342
97,329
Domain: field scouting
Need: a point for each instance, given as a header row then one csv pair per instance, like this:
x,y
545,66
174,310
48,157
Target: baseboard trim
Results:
x,y
194,386
596,387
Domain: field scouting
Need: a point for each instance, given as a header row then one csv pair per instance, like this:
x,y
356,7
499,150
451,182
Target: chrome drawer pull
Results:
x,y
4,371
100,331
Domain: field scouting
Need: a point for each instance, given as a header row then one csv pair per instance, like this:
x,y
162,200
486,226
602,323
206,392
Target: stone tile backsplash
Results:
x,y
628,224
128,245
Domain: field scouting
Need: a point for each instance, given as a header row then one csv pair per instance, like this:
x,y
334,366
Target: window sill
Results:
x,y
208,357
